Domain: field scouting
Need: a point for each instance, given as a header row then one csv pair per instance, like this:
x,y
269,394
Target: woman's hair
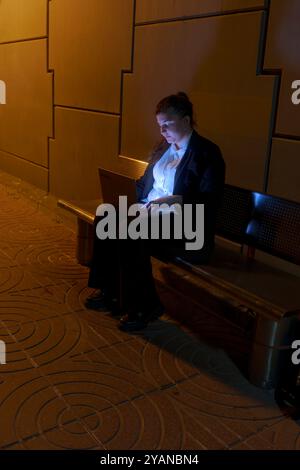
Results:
x,y
177,104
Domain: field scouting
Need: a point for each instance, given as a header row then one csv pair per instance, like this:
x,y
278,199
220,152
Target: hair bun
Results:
x,y
179,104
182,94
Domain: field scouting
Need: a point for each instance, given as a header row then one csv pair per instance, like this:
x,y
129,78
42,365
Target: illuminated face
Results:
x,y
173,127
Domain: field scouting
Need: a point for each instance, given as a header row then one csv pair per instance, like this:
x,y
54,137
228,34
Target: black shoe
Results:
x,y
135,321
98,300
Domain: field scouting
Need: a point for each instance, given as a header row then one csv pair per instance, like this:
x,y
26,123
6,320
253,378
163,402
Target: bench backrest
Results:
x,y
275,227
235,213
263,221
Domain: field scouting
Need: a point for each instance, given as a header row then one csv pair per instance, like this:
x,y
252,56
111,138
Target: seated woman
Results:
x,y
184,168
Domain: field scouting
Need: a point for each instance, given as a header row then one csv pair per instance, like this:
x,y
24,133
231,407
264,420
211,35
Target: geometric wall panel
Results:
x,y
283,52
83,141
73,54
285,169
27,171
152,10
26,118
214,60
22,19
90,43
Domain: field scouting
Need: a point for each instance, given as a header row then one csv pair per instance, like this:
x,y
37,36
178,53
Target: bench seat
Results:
x,y
273,286
263,301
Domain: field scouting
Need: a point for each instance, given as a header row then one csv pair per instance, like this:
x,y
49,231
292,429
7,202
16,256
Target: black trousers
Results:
x,y
122,267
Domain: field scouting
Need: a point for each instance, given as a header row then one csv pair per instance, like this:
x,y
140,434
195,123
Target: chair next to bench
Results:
x,y
264,301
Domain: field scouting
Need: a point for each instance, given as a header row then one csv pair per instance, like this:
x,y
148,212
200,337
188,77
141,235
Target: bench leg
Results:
x,y
85,236
264,365
271,350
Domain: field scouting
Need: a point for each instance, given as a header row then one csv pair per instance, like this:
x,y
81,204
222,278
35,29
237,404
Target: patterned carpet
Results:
x,y
72,380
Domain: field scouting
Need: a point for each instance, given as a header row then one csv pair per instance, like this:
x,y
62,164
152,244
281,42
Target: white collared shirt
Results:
x,y
164,171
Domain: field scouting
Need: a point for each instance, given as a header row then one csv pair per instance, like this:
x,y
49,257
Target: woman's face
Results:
x,y
173,127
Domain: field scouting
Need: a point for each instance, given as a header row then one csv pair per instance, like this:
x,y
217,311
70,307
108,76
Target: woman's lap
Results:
x,y
130,260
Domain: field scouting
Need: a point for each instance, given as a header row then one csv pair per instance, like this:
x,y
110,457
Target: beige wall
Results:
x,y
154,10
283,54
83,78
22,19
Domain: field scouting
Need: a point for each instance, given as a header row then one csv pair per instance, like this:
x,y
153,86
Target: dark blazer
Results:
x,y
199,178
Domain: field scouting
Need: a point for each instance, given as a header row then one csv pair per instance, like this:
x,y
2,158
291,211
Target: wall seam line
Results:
x,y
202,16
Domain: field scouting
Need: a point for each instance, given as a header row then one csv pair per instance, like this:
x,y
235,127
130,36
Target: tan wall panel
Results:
x,y
22,19
26,118
88,49
34,174
215,61
228,5
83,142
285,169
283,51
152,10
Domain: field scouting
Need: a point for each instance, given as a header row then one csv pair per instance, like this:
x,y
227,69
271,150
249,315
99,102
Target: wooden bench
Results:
x,y
262,300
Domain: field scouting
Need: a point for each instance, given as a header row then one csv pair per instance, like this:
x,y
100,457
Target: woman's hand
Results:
x,y
173,199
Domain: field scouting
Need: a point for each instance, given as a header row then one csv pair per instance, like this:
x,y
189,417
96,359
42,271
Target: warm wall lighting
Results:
x,y
2,353
2,92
